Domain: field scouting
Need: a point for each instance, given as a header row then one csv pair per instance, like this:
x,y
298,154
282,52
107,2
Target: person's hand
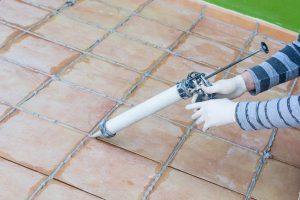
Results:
x,y
227,88
214,112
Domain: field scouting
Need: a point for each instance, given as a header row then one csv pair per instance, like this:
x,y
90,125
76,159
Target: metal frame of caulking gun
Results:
x,y
183,89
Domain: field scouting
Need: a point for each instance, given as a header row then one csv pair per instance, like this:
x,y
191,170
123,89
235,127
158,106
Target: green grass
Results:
x,y
283,13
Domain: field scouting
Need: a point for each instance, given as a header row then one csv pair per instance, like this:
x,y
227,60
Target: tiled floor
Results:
x,y
63,72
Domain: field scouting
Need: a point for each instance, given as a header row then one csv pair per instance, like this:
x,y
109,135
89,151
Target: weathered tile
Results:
x,y
152,137
222,32
175,69
171,13
69,105
6,33
256,140
17,82
273,45
206,51
39,54
277,32
230,17
178,185
217,161
150,88
277,181
296,89
101,76
60,191
108,171
126,4
16,181
20,13
150,31
248,63
133,54
97,13
54,4
35,143
3,109
286,146
72,31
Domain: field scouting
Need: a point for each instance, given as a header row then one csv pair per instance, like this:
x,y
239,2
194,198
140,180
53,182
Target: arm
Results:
x,y
277,113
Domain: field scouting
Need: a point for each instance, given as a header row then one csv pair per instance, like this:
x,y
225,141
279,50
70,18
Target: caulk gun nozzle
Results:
x,y
97,134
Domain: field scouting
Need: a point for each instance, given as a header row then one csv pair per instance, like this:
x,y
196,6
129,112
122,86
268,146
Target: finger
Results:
x,y
194,106
197,114
200,120
206,126
212,89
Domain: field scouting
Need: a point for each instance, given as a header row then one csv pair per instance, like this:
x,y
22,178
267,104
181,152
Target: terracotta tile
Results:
x,y
152,137
60,191
69,105
150,31
216,161
277,181
230,17
286,146
127,4
3,109
6,33
256,140
248,63
39,54
87,34
107,171
273,45
20,13
277,32
206,51
296,89
30,141
175,69
17,82
222,32
55,4
133,54
178,185
101,76
171,13
97,13
150,88
16,181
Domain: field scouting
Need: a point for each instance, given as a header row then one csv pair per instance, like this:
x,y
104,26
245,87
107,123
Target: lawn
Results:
x,y
283,13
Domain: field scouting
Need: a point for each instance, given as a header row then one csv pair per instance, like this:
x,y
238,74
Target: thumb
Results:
x,y
206,126
211,89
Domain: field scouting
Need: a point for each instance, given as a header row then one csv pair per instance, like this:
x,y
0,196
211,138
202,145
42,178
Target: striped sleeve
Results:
x,y
276,113
281,67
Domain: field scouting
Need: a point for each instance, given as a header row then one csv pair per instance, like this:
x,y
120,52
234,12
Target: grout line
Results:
x,y
48,16
70,155
266,154
167,163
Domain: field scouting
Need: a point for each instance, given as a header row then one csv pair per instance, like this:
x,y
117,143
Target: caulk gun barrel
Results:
x,y
141,111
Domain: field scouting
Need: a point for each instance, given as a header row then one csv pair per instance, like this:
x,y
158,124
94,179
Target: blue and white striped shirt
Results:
x,y
277,113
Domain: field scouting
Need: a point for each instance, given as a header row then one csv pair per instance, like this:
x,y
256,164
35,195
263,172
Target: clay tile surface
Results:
x,y
205,51
83,62
6,33
150,31
115,173
17,82
70,105
87,34
97,13
132,54
19,13
38,54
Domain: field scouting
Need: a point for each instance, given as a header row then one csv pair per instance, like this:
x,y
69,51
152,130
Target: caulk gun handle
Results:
x,y
202,96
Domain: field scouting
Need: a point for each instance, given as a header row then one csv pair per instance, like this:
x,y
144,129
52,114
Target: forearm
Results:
x,y
276,113
281,67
